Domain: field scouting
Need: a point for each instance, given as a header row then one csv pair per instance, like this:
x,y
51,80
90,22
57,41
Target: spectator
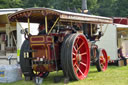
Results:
x,y
120,55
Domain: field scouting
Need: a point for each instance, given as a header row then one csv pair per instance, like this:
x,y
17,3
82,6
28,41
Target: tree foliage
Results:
x,y
98,7
121,8
11,3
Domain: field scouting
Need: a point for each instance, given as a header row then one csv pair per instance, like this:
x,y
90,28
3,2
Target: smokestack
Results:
x,y
84,6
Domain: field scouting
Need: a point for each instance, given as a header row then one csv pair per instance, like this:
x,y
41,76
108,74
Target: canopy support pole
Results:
x,y
53,25
91,29
28,26
101,27
19,24
46,24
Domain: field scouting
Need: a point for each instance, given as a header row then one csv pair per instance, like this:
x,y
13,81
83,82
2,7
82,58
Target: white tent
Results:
x,y
7,37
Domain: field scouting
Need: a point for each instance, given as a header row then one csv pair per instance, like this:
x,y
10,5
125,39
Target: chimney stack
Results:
x,y
84,6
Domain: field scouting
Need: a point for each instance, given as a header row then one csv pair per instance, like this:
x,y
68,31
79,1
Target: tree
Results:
x,y
98,7
15,3
104,7
10,3
121,8
4,4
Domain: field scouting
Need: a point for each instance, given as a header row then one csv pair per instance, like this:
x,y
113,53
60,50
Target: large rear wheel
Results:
x,y
102,61
75,57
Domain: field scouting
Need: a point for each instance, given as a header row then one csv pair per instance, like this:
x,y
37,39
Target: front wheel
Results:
x,y
75,57
102,61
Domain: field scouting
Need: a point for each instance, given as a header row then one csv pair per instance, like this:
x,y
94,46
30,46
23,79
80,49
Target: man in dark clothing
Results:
x,y
41,29
120,55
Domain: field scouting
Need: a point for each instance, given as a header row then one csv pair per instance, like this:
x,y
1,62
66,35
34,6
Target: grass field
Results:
x,y
113,76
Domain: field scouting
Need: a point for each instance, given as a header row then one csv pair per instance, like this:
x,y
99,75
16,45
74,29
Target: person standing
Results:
x,y
120,55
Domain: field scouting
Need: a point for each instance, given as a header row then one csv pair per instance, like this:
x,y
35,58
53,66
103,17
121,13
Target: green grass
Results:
x,y
113,76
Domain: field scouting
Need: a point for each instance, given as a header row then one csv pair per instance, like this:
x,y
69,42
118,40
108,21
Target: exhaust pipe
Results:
x,y
84,6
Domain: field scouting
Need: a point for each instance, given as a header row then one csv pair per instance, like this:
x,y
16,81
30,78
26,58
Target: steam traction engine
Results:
x,y
67,42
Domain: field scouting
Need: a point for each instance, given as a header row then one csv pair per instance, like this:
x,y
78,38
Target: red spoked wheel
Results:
x,y
102,62
75,57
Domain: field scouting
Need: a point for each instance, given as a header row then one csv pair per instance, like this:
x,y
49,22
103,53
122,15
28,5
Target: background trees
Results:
x,y
98,7
11,3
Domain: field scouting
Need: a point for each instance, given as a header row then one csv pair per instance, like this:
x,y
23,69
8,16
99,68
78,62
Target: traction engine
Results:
x,y
67,42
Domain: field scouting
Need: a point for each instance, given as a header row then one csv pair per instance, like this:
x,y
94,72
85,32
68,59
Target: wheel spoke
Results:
x,y
74,64
74,54
75,69
73,59
80,71
83,53
83,64
77,41
80,46
101,62
102,59
74,48
102,65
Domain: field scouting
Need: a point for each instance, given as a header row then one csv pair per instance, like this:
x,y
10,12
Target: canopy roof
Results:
x,y
37,15
5,12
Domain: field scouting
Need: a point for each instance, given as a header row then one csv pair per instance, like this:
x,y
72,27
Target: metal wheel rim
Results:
x,y
103,60
80,57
